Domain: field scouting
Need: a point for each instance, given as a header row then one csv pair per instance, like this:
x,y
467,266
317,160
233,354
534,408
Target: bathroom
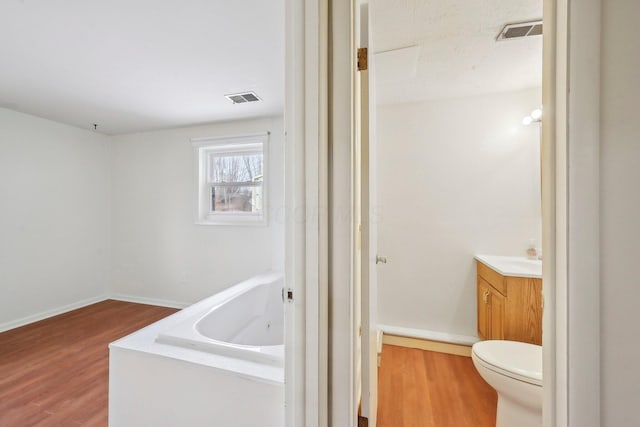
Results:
x,y
452,96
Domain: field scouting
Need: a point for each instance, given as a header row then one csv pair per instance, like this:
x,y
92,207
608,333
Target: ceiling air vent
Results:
x,y
521,29
241,98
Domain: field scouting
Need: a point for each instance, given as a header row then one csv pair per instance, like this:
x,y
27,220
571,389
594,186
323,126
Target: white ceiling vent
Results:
x,y
241,98
520,29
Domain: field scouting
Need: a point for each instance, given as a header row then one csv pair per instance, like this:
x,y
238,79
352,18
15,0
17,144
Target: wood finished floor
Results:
x,y
418,388
55,372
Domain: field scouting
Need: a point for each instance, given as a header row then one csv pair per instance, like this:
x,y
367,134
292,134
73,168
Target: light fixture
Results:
x,y
536,114
534,117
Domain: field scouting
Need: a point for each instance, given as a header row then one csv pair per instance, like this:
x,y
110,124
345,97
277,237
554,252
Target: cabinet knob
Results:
x,y
485,296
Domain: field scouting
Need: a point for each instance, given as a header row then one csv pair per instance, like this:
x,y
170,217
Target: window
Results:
x,y
232,180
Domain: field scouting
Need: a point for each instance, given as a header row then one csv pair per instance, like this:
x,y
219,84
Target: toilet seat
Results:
x,y
517,360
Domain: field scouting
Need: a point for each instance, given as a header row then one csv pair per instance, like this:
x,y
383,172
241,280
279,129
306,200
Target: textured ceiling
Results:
x,y
458,55
139,65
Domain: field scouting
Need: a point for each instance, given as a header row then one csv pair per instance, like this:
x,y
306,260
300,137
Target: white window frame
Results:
x,y
203,149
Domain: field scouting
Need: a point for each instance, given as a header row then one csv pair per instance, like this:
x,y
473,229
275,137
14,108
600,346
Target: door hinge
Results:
x,y
362,59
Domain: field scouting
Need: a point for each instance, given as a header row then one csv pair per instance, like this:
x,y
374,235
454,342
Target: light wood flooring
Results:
x,y
55,372
418,388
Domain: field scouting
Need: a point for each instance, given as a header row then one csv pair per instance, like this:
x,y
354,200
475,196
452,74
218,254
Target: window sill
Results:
x,y
250,221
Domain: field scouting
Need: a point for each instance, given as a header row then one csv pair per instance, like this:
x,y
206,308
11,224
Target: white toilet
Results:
x,y
514,370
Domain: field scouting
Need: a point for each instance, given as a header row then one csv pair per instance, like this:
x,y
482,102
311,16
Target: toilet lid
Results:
x,y
518,360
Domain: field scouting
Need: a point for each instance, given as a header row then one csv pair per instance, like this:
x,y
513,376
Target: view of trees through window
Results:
x,y
236,182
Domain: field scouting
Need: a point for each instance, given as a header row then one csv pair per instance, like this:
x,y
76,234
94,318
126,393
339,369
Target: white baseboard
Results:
x,y
429,345
149,301
50,313
74,306
424,334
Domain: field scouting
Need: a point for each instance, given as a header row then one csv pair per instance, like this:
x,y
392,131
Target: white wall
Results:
x,y
54,217
158,253
620,214
456,178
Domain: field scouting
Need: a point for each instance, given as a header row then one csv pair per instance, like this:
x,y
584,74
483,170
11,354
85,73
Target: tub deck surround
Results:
x,y
146,340
512,266
155,383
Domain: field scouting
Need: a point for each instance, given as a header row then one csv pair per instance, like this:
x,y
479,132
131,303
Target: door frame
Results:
x,y
316,95
367,357
571,205
306,216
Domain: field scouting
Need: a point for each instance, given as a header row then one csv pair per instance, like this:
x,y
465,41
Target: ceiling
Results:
x,y
454,49
139,65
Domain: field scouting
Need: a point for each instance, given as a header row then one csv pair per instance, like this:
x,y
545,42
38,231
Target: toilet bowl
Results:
x,y
514,370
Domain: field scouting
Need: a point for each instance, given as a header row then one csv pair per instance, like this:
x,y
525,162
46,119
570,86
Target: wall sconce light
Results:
x,y
534,117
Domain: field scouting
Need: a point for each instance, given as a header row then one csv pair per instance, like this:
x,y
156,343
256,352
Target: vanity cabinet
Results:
x,y
509,308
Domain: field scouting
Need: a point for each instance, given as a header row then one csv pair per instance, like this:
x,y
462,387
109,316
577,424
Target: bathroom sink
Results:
x,y
512,266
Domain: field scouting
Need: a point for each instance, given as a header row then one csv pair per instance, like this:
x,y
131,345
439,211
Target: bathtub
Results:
x,y
246,321
205,364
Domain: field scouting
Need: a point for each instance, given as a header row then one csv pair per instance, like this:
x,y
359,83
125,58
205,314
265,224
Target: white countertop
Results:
x,y
512,266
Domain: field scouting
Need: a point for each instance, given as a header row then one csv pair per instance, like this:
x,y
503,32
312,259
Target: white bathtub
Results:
x,y
203,365
245,321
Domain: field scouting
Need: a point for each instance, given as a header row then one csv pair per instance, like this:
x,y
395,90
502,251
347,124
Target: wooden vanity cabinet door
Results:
x,y
491,311
484,309
524,310
497,305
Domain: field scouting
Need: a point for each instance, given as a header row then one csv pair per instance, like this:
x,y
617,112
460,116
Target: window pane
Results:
x,y
225,168
236,199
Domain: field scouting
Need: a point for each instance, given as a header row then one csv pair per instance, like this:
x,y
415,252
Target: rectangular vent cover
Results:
x,y
241,98
521,29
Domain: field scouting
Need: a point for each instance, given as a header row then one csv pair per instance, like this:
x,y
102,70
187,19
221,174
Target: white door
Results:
x,y
368,204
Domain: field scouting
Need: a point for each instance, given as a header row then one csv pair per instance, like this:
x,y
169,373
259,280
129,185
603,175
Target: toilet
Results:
x,y
514,370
